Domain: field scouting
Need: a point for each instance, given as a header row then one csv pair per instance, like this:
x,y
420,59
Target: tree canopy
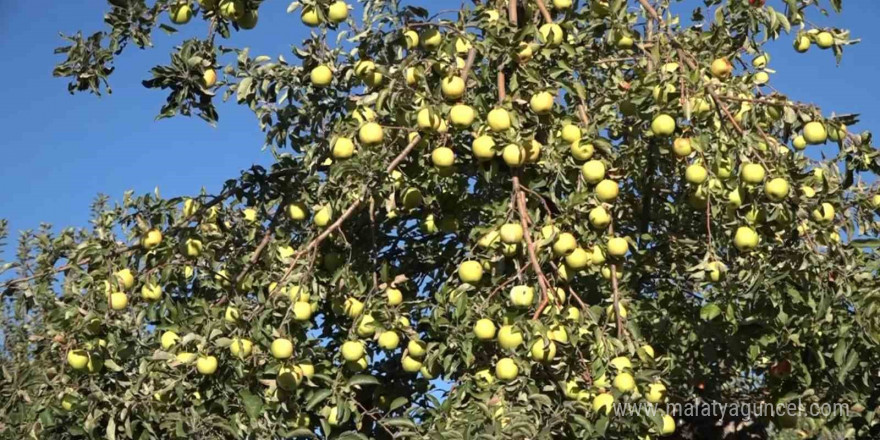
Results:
x,y
494,222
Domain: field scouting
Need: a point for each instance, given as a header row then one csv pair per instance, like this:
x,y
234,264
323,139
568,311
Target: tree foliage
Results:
x,y
648,209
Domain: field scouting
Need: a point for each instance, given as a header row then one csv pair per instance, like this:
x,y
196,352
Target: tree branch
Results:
x,y
530,245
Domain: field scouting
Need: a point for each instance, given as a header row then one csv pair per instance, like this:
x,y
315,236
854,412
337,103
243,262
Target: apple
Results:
x,y
151,239
231,9
78,359
250,215
603,401
389,340
551,34
514,155
593,171
745,239
395,296
621,363
682,147
716,270
241,348
761,78
541,103
288,378
656,392
297,211
181,14
462,45
558,334
624,382
310,17
571,133
506,369
470,272
875,201
151,292
411,38
522,296
370,133
411,198
125,278
452,87
565,244
443,157
543,352
776,189
815,133
307,369
168,339
353,307
577,259
625,42
484,377
353,351
663,125
752,173
343,148
802,43
431,39
69,402
248,20
302,311
562,4
118,300
511,233
206,365
524,53
427,119
617,246
824,40
281,348
332,416
581,151
417,349
607,190
321,76
695,174
721,68
190,206
760,61
461,115
824,213
323,216
499,119
509,337
668,425
337,12
410,365
193,247
483,148
367,326
484,329
799,143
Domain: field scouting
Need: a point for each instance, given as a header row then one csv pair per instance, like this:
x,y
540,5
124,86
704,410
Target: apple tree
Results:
x,y
495,222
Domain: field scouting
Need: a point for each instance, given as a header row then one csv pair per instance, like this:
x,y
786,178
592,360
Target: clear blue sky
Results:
x,y
59,151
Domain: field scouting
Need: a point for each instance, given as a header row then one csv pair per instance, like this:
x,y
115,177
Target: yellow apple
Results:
x,y
577,259
776,189
551,34
562,4
411,38
168,339
682,147
603,402
571,133
524,53
151,292
483,148
514,155
353,307
668,425
412,198
389,340
118,300
125,278
77,359
509,337
367,326
410,365
416,348
522,296
337,12
353,351
443,157
506,369
593,171
824,40
452,87
511,233
297,211
745,239
599,218
343,148
761,78
542,352
484,329
663,125
461,115
321,76
541,103
695,174
193,247
815,133
310,17
302,311
241,348
607,190
824,213
799,143
323,216
427,119
721,68
185,357
624,382
656,392
565,244
281,348
802,43
581,151
752,173
151,239
206,365
181,14
395,296
431,39
370,133
617,246
499,119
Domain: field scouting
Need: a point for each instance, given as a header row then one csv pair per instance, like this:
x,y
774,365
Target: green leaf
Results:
x,y
317,398
400,422
362,379
253,404
709,312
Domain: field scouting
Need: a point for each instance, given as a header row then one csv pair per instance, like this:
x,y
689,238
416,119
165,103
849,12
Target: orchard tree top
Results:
x,y
498,222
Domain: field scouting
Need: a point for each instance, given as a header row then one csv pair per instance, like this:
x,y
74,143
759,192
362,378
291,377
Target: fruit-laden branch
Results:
x,y
263,243
520,197
345,215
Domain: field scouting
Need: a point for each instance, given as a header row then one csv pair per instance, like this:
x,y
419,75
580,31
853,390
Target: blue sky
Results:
x,y
58,151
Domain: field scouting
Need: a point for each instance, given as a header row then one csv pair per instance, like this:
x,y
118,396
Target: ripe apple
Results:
x,y
470,272
78,359
193,247
668,425
443,157
151,239
760,61
558,333
533,151
241,348
250,215
416,348
321,76
682,147
695,174
431,39
302,311
281,348
427,119
593,171
761,78
551,34
625,42
370,133
151,292
452,87
506,369
367,326
297,211
483,148
522,296
410,365
206,365
310,17
337,12
721,68
624,382
656,392
752,173
524,54
231,9
577,259
824,40
802,43
541,103
353,351
353,307
663,125
716,270
125,278
411,198
499,119
462,45
621,363
562,4
617,246
875,201
776,189
411,38
289,378
815,133
389,340
168,339
323,216
514,155
543,352
461,115
799,143
343,148
571,133
581,151
181,14
484,329
69,402
118,300
603,401
511,233
565,244
395,296
824,213
746,239
607,190
509,337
